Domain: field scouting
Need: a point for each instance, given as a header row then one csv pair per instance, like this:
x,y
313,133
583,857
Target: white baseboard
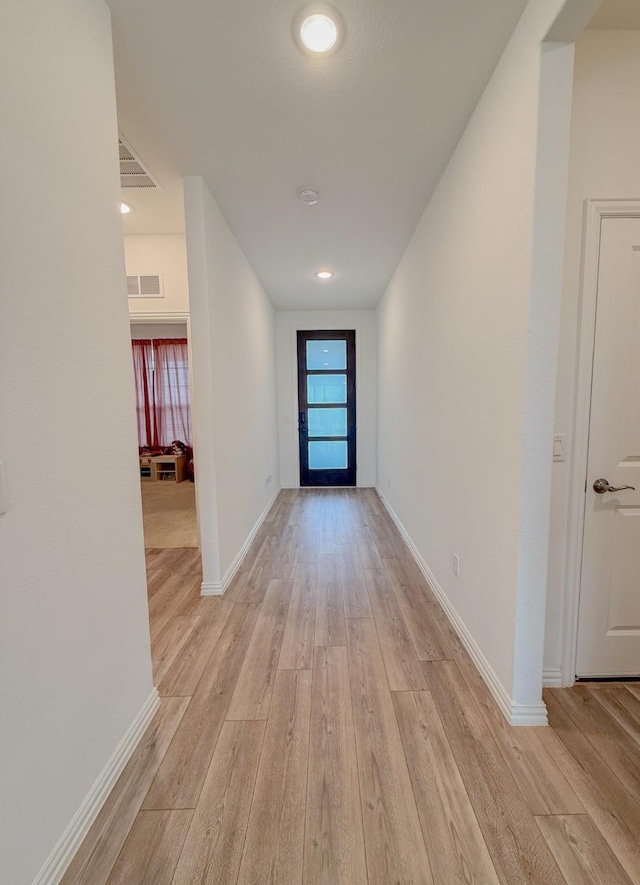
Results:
x,y
528,714
211,588
361,485
62,855
552,677
217,588
515,714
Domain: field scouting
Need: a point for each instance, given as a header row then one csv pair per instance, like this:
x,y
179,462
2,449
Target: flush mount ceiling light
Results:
x,y
324,274
125,208
319,32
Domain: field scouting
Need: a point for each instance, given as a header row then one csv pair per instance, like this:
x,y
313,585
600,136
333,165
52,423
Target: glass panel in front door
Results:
x,y
326,388
327,455
326,355
327,422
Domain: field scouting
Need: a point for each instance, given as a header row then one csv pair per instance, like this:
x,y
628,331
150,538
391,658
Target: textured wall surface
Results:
x,y
165,254
75,666
466,363
234,369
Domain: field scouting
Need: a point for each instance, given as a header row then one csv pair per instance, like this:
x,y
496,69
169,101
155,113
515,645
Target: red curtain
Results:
x,y
171,389
143,372
161,369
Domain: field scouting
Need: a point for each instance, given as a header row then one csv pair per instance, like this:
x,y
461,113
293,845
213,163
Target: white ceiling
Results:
x,y
220,89
623,15
155,211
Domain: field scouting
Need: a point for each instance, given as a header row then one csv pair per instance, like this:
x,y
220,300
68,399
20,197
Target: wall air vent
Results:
x,y
145,286
133,173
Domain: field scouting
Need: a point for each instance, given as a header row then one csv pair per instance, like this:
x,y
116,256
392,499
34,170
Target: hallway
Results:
x,y
321,723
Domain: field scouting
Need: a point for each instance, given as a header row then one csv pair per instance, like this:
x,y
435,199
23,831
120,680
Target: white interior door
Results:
x,y
609,619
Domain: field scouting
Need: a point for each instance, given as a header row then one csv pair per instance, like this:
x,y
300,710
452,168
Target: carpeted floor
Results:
x,y
169,510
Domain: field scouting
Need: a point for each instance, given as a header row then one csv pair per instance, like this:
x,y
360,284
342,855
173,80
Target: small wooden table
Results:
x,y
170,468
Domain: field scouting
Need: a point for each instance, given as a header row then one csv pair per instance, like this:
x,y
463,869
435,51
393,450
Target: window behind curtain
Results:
x,y
161,368
171,388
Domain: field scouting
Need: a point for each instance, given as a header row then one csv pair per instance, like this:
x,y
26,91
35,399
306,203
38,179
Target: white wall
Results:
x,y
234,376
74,638
605,133
287,323
165,254
466,363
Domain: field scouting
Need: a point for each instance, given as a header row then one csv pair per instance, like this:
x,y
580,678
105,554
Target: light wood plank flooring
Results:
x,y
322,724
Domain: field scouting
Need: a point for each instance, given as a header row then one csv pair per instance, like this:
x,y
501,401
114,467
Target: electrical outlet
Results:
x,y
269,477
456,565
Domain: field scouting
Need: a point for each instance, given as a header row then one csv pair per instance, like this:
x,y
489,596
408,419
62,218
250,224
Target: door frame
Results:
x,y
329,326
595,210
351,404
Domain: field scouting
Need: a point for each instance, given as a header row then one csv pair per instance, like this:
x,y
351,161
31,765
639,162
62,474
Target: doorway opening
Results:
x,y
327,407
165,442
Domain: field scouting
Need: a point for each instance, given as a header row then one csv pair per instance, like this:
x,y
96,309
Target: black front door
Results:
x,y
327,408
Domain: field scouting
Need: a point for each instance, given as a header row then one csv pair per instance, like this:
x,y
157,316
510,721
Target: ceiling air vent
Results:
x,y
145,286
132,171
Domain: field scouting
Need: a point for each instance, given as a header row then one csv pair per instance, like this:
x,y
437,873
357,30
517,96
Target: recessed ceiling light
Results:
x,y
318,32
125,208
325,351
324,274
